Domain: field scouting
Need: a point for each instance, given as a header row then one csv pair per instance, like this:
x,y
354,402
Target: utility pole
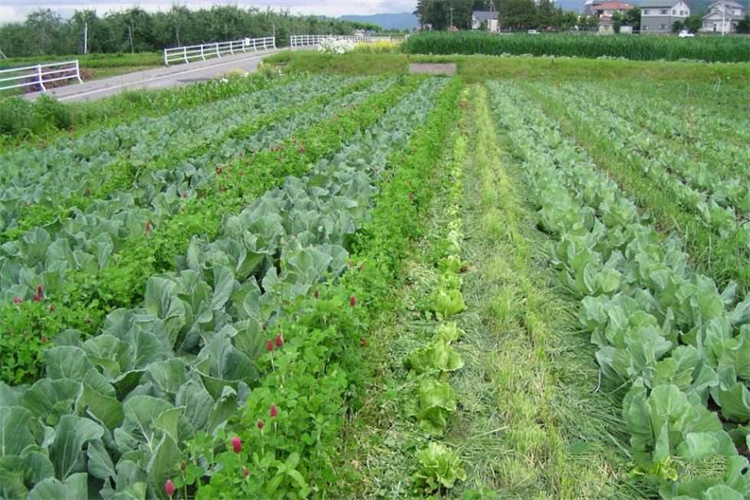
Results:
x,y
130,37
451,16
85,38
489,23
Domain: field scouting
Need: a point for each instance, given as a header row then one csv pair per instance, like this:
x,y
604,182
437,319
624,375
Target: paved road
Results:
x,y
168,76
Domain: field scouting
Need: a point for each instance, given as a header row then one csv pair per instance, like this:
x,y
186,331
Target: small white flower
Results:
x,y
224,80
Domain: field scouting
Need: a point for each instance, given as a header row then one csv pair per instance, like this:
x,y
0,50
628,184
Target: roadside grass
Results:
x,y
477,68
93,61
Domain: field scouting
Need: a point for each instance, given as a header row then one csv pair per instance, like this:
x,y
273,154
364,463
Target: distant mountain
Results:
x,y
400,21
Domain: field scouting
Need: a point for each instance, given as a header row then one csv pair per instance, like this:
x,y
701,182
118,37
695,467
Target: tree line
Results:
x,y
513,14
45,32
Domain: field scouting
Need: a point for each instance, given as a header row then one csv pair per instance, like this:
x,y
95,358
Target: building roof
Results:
x,y
614,6
484,15
651,4
718,16
728,3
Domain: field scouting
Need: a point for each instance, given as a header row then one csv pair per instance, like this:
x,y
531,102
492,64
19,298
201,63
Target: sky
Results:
x,y
16,10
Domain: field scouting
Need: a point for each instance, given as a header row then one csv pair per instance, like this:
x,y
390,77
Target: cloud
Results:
x,y
17,10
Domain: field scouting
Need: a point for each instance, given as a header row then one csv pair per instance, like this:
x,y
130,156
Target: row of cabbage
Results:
x,y
113,411
716,140
723,207
139,139
664,332
44,179
715,167
82,300
710,140
88,239
699,114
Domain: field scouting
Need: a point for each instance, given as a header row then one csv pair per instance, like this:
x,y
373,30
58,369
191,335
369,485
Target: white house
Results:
x,y
658,16
488,18
723,17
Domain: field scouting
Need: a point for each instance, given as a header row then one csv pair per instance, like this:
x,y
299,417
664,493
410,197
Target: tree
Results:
x,y
693,23
45,32
437,13
44,27
678,26
744,25
519,14
632,18
98,31
545,14
617,19
588,22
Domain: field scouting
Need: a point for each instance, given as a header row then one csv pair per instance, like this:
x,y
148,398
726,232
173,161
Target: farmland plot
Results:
x,y
699,188
119,406
664,332
380,287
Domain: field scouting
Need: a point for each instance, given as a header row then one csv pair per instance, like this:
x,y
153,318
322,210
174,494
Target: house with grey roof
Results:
x,y
723,17
485,19
658,16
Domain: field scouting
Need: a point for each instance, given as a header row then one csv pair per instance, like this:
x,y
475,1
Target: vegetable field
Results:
x,y
317,286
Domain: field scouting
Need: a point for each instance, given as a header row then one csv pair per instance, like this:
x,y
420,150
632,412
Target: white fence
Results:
x,y
311,40
41,74
207,50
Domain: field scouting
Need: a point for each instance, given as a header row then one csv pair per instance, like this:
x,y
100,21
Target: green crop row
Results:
x,y
639,47
86,295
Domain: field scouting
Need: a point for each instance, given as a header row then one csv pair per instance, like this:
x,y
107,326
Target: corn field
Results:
x,y
635,47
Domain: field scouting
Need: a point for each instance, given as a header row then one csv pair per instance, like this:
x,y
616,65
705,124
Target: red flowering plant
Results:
x,y
290,424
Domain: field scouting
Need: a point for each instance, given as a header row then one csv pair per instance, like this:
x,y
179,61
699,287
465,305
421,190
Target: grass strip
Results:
x,y
530,425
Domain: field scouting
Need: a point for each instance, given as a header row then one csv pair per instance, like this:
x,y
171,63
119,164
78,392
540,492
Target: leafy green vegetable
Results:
x,y
440,468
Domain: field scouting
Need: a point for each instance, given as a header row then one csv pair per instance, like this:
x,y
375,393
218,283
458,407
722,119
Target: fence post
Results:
x,y
184,54
218,54
203,55
166,60
39,73
231,48
78,73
